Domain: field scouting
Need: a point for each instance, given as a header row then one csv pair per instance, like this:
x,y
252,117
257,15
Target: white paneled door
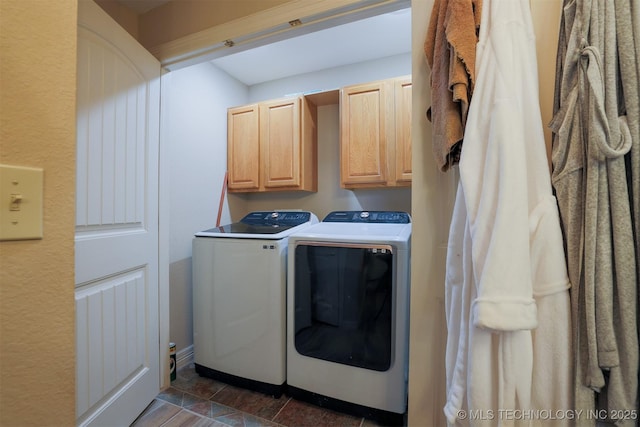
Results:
x,y
117,320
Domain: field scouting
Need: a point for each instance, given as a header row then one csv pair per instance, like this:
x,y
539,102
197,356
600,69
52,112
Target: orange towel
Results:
x,y
450,49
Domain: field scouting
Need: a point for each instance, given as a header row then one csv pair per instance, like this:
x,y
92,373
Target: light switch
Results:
x,y
20,202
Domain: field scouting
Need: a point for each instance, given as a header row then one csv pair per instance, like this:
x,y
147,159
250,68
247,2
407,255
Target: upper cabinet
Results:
x,y
375,134
272,146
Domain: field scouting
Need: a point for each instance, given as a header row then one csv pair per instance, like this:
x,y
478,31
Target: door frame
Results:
x,y
163,237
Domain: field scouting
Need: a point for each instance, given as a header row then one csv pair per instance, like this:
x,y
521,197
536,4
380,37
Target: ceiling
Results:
x,y
361,40
142,6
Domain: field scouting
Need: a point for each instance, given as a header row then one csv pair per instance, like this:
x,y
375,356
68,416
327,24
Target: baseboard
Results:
x,y
184,357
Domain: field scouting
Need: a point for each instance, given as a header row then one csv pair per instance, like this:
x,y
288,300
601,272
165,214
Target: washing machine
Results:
x,y
348,314
239,299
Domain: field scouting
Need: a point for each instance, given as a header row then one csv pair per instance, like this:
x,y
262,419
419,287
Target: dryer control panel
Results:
x,y
380,217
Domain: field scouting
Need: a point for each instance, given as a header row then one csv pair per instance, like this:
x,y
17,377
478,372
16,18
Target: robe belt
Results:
x,y
610,146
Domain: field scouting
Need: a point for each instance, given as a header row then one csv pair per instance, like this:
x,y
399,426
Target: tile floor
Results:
x,y
197,401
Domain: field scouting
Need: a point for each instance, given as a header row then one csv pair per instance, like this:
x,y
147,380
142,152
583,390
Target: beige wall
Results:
x,y
127,18
432,201
37,128
546,23
160,24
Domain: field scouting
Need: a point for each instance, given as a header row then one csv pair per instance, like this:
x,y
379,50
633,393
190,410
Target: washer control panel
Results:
x,y
381,217
281,218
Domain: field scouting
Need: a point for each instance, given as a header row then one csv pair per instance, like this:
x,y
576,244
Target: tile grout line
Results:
x,y
233,410
280,410
209,417
174,415
218,391
211,401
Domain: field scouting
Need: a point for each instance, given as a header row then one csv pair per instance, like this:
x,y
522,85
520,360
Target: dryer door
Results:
x,y
344,298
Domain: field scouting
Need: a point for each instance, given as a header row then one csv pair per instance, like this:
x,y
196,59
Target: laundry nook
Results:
x,y
320,213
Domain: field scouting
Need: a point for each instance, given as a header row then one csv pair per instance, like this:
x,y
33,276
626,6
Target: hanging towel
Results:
x,y
450,52
507,302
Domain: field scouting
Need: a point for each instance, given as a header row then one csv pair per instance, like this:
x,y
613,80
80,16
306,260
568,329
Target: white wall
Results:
x,y
197,99
194,102
333,78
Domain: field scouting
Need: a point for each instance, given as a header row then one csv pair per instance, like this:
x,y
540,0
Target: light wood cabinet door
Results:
x,y
243,148
280,143
375,134
272,146
366,132
403,130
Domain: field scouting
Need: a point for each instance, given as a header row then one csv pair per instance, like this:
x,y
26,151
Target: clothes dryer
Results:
x,y
348,313
239,299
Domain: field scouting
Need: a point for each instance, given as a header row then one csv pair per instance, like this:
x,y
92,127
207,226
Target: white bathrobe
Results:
x,y
507,299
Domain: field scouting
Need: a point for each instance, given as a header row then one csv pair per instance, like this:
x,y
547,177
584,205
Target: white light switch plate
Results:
x,y
20,202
